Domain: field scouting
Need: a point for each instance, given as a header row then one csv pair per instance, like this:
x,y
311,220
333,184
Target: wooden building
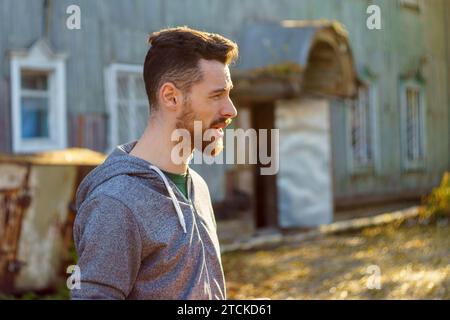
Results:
x,y
364,115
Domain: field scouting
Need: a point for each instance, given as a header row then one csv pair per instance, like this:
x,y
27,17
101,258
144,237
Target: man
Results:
x,y
145,228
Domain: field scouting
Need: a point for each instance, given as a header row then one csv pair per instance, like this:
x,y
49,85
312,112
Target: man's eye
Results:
x,y
217,97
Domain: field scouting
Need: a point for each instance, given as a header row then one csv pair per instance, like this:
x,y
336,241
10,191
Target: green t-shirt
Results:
x,y
180,181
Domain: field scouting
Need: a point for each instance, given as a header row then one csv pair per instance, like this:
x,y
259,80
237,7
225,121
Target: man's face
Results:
x,y
209,102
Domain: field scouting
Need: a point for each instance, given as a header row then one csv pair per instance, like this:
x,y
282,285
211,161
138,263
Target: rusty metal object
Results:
x,y
37,212
13,205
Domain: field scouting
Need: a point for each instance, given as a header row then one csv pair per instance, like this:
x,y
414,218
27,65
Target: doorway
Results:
x,y
265,186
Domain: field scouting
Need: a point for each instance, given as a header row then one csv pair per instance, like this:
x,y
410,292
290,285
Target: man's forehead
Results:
x,y
215,73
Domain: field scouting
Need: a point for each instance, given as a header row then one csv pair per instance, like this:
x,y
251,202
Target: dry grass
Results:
x,y
413,259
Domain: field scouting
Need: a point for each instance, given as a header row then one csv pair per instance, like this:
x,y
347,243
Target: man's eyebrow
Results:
x,y
230,87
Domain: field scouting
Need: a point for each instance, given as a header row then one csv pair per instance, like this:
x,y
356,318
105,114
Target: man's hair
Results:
x,y
174,57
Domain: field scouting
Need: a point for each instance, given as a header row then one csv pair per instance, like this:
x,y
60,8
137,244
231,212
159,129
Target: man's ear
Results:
x,y
169,95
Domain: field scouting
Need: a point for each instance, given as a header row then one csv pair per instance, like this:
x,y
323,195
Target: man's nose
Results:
x,y
228,110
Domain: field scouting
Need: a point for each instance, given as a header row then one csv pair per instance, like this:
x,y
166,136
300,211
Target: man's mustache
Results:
x,y
220,121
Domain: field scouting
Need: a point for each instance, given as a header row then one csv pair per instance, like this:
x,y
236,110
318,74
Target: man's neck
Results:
x,y
155,146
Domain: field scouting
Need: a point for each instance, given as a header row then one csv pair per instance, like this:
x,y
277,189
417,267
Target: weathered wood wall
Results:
x,y
116,31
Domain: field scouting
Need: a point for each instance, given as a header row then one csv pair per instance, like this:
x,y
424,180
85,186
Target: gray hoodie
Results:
x,y
138,237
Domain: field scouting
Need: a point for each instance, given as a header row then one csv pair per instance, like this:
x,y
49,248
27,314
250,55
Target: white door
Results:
x,y
305,179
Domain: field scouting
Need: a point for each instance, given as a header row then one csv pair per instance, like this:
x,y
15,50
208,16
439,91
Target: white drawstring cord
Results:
x,y
172,195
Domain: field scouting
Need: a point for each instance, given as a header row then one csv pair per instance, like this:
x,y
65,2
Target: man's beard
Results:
x,y
186,121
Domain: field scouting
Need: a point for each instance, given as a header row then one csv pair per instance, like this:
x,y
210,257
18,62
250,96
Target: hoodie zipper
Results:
x,y
195,213
201,240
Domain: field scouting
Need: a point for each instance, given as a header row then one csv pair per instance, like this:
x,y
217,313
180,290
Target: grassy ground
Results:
x,y
413,260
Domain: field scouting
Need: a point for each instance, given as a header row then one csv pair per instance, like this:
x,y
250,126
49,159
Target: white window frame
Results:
x,y
39,58
415,164
112,100
354,167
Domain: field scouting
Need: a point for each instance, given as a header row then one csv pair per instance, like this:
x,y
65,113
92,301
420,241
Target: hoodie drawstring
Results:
x,y
172,196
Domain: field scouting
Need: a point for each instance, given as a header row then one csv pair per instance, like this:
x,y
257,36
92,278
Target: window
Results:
x,y
127,103
38,99
361,130
413,125
35,104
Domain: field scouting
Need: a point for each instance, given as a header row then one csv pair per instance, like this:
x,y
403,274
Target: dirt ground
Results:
x,y
412,261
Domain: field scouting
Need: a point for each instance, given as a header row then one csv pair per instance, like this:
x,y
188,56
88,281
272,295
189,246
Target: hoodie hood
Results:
x,y
120,162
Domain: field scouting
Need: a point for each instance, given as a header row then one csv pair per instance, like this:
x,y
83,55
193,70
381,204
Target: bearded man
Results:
x,y
145,227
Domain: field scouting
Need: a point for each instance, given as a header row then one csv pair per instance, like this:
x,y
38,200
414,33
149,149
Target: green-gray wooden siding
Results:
x,y
116,31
